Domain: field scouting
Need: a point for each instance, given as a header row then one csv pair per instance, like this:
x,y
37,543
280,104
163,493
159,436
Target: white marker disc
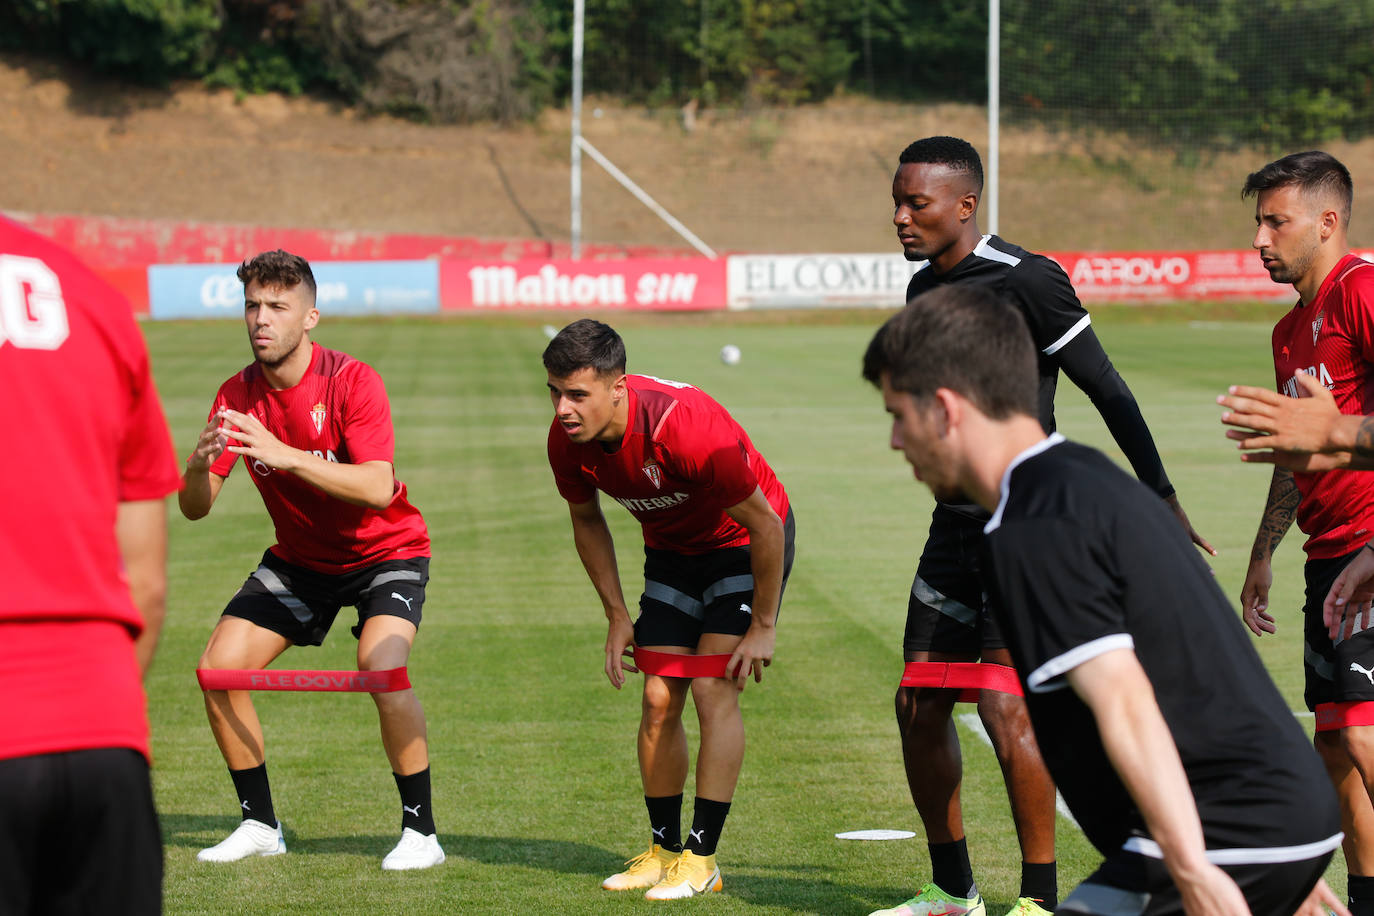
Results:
x,y
875,835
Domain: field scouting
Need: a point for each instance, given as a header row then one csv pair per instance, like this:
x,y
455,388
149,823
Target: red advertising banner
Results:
x,y
104,241
639,284
1168,276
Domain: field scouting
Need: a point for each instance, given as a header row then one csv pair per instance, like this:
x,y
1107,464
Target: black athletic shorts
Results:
x,y
686,595
79,835
948,607
301,604
1339,673
1130,884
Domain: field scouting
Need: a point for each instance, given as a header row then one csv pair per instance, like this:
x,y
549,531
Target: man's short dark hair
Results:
x,y
1318,174
585,344
278,269
961,337
947,151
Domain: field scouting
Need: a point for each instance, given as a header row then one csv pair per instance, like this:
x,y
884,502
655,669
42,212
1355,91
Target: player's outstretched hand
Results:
x,y
209,446
620,637
1254,598
255,440
1211,892
1196,538
754,653
1322,902
1346,609
1297,432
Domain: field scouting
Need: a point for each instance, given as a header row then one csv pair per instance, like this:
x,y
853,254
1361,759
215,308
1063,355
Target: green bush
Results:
x,y
151,41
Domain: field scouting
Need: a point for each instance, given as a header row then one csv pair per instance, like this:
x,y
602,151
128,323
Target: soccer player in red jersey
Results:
x,y
83,478
314,428
1302,210
718,544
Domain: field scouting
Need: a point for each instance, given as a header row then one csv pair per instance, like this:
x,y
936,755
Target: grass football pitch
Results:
x,y
536,789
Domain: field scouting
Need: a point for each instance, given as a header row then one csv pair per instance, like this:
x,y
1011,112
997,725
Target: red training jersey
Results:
x,y
682,462
84,431
1332,339
340,412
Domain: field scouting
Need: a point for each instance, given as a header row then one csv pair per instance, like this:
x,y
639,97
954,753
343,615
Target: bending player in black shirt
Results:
x,y
1178,757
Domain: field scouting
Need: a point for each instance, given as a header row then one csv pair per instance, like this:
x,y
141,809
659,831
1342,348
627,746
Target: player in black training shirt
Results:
x,y
1177,756
935,194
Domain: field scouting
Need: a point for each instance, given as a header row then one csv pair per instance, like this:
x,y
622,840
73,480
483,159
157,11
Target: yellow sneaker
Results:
x,y
690,875
645,870
932,901
1026,906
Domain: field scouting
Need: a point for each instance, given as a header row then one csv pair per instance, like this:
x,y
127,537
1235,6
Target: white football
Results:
x,y
729,354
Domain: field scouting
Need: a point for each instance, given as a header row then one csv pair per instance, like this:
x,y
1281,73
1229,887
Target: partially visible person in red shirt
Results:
x,y
86,465
314,428
1302,209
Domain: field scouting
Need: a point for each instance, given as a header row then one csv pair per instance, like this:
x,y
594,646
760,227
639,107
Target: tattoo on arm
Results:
x,y
1364,438
1279,511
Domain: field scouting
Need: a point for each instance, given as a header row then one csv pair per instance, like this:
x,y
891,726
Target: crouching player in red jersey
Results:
x,y
314,429
84,474
717,555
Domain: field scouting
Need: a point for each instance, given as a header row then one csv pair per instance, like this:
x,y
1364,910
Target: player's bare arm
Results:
x,y
1177,508
141,531
596,549
1322,902
766,549
1142,751
370,484
199,487
1350,603
1280,508
1306,433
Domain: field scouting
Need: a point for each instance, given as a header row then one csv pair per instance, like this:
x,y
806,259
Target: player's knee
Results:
x,y
904,704
660,704
1358,745
714,696
1005,719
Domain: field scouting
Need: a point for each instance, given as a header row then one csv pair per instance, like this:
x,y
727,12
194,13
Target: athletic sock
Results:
x,y
415,812
1040,883
1361,891
950,868
665,820
255,795
708,819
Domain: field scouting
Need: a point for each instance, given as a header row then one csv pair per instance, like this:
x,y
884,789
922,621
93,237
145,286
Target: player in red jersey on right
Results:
x,y
718,544
86,466
1302,211
314,429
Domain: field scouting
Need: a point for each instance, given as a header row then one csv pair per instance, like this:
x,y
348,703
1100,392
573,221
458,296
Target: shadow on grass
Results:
x,y
808,890
195,831
800,888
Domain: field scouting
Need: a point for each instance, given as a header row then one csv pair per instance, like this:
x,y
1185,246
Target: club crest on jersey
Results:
x,y
317,415
1317,326
655,475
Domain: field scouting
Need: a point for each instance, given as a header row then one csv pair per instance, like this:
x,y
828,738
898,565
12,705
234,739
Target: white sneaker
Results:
x,y
414,851
251,838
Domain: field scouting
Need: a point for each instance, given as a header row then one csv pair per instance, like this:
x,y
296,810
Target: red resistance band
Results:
x,y
387,681
970,678
667,664
1334,716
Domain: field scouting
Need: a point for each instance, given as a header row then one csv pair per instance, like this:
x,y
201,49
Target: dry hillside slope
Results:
x,y
811,179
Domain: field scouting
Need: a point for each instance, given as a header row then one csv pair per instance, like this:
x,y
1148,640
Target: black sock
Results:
x,y
1040,883
1361,892
950,868
708,820
255,796
665,820
415,812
